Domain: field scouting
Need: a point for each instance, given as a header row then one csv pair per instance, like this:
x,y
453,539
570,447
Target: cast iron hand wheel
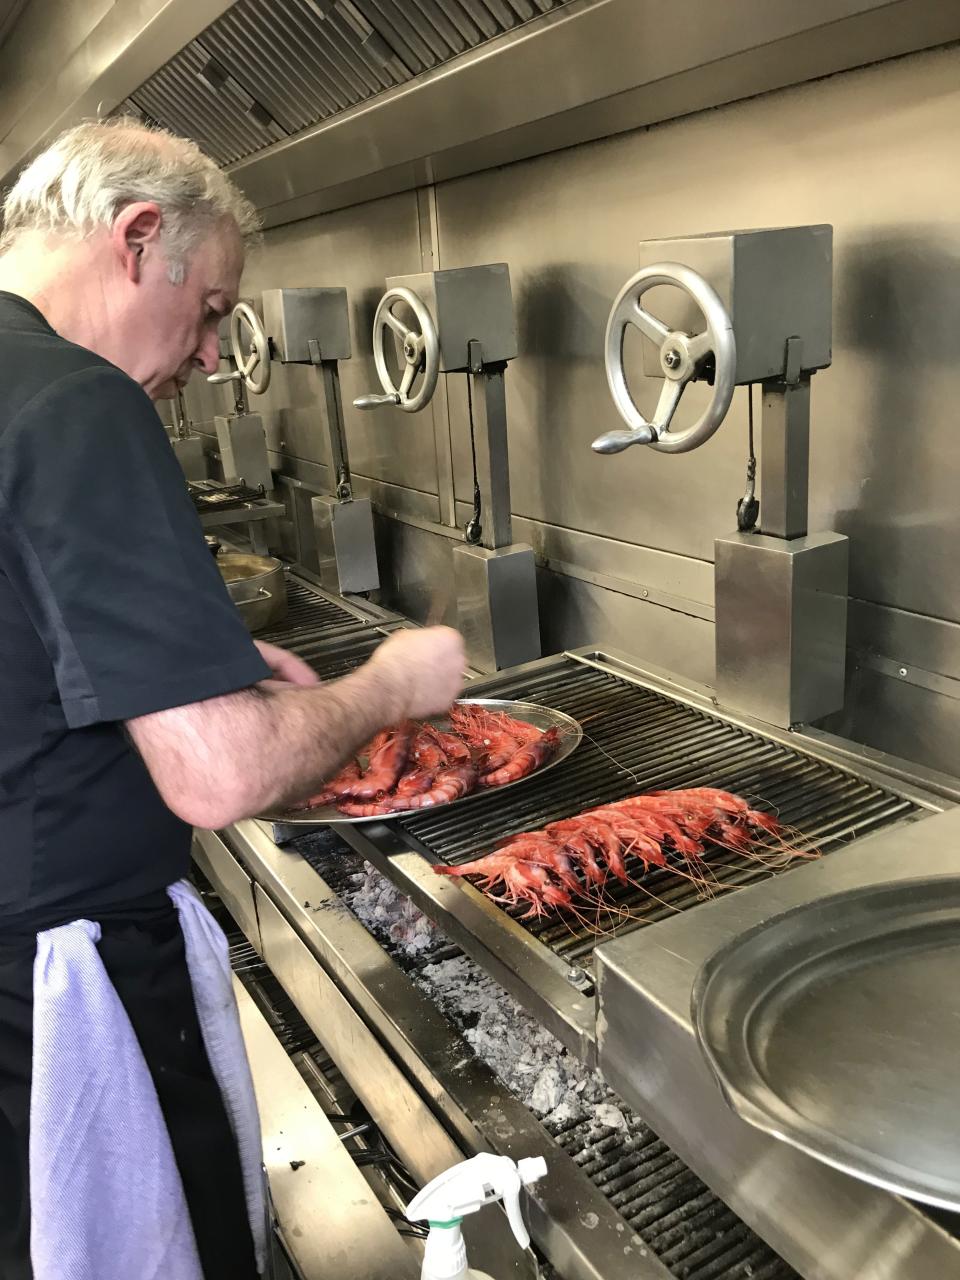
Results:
x,y
681,358
253,364
420,354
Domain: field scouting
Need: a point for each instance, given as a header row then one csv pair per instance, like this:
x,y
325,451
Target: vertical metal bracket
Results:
x,y
792,361
488,395
785,458
333,413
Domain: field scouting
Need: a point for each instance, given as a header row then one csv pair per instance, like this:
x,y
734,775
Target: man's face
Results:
x,y
174,326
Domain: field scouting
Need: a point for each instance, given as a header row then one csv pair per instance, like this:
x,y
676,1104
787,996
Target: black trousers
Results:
x,y
143,953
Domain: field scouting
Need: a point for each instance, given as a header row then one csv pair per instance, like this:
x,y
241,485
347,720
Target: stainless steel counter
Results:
x,y
330,1219
828,1225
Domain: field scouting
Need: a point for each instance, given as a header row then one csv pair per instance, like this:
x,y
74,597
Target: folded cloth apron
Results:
x,y
106,1198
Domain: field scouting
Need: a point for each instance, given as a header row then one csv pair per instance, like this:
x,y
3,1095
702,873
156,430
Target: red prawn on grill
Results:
x,y
567,867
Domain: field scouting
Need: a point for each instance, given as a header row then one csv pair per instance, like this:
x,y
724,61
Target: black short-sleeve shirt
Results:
x,y
111,607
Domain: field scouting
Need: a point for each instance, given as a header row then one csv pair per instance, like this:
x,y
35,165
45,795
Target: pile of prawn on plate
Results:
x,y
570,866
416,765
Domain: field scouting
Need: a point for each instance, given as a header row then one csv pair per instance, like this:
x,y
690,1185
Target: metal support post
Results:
x,y
488,394
333,413
785,458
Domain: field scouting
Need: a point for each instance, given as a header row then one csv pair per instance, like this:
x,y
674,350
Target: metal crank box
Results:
x,y
497,605
243,450
293,318
781,625
468,304
346,550
775,284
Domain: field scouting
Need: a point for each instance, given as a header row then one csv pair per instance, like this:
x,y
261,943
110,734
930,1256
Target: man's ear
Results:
x,y
136,230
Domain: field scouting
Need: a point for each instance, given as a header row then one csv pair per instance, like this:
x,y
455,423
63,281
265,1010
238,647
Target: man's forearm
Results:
x,y
319,729
244,753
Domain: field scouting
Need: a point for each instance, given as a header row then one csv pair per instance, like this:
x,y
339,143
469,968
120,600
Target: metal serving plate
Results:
x,y
544,718
836,1027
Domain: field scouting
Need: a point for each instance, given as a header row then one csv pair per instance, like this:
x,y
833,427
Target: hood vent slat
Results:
x,y
295,63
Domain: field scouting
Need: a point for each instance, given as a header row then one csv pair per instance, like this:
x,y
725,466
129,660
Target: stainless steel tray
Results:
x,y
836,1027
530,712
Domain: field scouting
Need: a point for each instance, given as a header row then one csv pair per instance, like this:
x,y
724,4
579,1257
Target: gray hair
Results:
x,y
84,179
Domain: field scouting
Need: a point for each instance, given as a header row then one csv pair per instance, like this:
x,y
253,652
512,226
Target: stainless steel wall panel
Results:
x,y
356,249
575,613
416,572
885,454
10,11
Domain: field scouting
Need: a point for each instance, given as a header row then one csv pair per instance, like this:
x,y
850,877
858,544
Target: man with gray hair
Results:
x,y
134,706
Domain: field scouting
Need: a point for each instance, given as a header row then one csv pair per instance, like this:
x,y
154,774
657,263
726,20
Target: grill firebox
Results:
x,y
693,1233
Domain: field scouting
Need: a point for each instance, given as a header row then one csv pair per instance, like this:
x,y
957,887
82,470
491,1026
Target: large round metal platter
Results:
x,y
530,712
836,1028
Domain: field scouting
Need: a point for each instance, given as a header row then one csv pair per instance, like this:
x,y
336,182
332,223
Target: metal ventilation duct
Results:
x,y
262,72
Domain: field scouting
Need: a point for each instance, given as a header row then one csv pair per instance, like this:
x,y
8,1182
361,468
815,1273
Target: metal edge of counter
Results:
x,y
328,1214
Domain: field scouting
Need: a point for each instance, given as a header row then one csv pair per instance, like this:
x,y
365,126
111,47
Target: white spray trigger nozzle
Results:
x,y
467,1187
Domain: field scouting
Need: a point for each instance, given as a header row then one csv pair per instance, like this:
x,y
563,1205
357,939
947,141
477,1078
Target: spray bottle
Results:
x,y
462,1190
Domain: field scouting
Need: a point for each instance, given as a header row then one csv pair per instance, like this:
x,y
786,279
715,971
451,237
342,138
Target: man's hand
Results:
x,y
286,667
425,667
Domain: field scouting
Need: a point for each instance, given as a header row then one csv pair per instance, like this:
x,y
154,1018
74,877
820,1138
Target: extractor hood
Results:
x,y
317,104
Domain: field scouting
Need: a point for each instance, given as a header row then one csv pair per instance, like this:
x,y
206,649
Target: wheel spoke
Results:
x,y
699,345
670,394
649,325
396,324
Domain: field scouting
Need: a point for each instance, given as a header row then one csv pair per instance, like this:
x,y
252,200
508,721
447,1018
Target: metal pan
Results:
x,y
571,736
836,1027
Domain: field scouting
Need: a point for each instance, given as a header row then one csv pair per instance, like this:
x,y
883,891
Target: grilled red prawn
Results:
x,y
485,734
388,757
365,809
414,782
348,776
454,748
538,847
525,761
529,882
320,801
449,784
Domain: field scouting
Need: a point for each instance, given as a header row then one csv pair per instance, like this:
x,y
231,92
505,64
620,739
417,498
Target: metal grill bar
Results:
x,y
311,617
696,1235
331,662
637,739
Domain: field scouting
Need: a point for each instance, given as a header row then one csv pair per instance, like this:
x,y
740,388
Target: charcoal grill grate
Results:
x,y
327,636
332,662
691,1231
637,739
309,617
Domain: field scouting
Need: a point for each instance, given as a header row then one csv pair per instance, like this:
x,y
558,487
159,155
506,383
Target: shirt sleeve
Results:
x,y
105,549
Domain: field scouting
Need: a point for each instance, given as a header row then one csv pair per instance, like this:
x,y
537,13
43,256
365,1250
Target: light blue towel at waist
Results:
x,y
106,1198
